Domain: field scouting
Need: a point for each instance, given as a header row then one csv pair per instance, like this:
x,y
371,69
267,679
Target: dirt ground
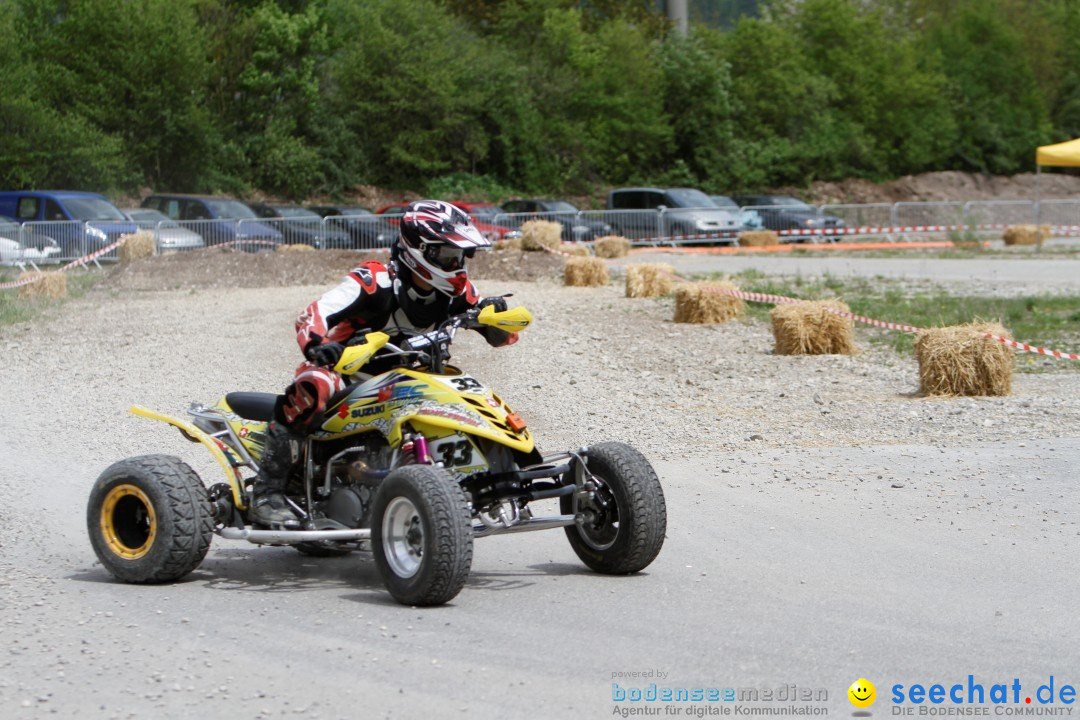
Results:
x,y
940,187
188,271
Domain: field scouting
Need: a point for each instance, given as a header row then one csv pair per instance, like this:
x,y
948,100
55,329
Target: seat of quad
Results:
x,y
253,405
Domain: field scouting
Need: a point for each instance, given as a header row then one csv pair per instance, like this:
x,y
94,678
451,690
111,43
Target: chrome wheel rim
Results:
x,y
403,537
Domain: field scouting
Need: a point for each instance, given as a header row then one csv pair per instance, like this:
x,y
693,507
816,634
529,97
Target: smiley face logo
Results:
x,y
862,693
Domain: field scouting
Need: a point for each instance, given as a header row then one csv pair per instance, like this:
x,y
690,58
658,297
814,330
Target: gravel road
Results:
x,y
825,524
1004,276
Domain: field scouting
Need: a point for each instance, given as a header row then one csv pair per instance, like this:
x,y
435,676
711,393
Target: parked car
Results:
x,y
483,217
80,222
168,235
393,213
300,226
782,212
360,223
684,212
575,227
750,219
217,219
23,245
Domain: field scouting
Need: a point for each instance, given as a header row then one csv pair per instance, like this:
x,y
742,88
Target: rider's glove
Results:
x,y
326,354
499,303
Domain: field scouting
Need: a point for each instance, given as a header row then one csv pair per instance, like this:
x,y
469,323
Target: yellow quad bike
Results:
x,y
412,463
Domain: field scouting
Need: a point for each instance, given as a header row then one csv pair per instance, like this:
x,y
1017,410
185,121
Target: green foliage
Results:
x,y
469,187
1000,112
296,97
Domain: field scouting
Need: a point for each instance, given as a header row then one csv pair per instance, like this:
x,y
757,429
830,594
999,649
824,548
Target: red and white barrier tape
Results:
x,y
777,299
863,230
77,262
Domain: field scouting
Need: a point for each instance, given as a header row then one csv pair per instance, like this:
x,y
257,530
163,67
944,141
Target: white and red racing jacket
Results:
x,y
366,300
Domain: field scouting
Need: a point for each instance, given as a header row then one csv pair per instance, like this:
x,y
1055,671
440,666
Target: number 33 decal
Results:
x,y
465,384
456,453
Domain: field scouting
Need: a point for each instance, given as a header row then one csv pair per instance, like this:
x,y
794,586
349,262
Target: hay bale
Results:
x,y
585,272
646,280
960,360
575,250
541,235
1026,234
611,246
758,238
1021,235
300,247
509,244
50,285
137,246
808,328
706,303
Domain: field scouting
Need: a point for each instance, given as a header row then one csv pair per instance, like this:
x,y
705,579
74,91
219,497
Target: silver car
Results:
x,y
19,246
168,235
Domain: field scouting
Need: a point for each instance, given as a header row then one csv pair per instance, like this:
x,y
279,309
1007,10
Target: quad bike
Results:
x,y
412,463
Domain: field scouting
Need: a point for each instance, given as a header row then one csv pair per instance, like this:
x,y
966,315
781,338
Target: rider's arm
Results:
x,y
341,311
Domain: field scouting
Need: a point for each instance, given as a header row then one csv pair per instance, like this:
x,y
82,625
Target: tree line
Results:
x,y
303,97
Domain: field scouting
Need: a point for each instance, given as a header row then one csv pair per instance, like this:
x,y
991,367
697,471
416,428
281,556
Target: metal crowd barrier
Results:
x,y
52,242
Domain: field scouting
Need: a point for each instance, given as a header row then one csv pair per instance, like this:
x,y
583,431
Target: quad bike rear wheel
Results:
x,y
149,519
421,535
623,523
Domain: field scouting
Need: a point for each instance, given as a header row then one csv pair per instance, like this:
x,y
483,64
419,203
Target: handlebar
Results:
x,y
430,348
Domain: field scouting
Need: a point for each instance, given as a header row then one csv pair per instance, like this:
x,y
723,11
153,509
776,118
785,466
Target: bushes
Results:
x,y
486,99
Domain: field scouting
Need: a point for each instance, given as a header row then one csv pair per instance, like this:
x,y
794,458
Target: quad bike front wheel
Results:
x,y
421,535
622,522
149,519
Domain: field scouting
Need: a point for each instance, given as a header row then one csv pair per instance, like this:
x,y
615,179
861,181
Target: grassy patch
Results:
x,y
1044,320
14,309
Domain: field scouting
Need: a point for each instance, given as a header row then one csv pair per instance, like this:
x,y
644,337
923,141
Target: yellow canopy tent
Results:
x,y
1063,154
1066,154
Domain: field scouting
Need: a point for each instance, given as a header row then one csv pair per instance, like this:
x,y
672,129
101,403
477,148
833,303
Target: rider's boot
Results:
x,y
268,504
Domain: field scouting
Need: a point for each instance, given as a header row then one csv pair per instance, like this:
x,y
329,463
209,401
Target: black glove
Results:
x,y
326,354
499,303
358,339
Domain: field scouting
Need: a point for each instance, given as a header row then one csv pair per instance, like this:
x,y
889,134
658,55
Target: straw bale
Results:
x,y
758,238
960,360
508,244
706,303
51,285
612,246
576,250
808,328
585,272
137,246
541,235
299,247
646,280
1021,235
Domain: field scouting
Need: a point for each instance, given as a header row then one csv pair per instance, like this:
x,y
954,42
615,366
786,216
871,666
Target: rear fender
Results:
x,y
217,449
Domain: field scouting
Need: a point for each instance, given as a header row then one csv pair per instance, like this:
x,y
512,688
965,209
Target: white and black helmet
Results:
x,y
436,238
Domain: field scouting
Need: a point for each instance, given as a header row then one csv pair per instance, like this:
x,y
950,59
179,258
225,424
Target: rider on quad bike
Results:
x,y
425,282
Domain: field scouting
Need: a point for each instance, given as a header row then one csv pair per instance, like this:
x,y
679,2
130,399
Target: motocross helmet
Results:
x,y
435,241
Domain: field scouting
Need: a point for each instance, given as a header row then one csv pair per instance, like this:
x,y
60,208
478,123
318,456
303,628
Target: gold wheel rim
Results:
x,y
128,522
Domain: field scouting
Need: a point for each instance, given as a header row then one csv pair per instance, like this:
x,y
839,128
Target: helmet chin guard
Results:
x,y
435,241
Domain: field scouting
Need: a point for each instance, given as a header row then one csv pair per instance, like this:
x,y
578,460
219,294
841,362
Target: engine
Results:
x,y
355,474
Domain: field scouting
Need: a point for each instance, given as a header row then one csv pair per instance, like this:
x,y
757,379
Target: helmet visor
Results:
x,y
447,257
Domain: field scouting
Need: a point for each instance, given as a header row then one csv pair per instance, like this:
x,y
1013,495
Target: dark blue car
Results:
x,y
80,222
218,219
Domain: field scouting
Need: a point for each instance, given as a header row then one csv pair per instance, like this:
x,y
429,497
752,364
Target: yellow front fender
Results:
x,y
232,475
